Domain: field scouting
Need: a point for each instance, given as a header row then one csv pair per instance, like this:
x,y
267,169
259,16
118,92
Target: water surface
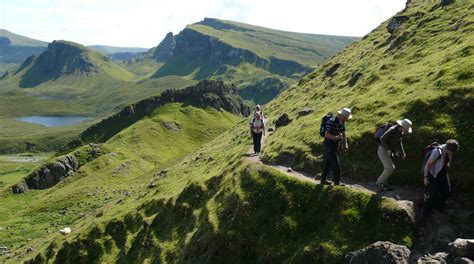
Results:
x,y
53,121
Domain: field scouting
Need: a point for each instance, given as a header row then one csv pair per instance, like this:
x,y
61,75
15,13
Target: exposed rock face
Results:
x,y
165,49
206,93
196,46
446,2
354,78
61,58
52,173
395,23
283,120
48,175
462,248
380,252
305,111
332,71
64,58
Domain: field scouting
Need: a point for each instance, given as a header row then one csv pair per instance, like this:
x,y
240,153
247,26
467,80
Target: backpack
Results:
x,y
324,120
426,153
381,130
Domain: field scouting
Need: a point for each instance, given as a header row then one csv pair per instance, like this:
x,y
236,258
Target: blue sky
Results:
x,y
144,23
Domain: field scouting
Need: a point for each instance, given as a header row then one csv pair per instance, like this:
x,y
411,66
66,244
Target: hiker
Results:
x,y
390,148
258,109
435,176
334,134
257,128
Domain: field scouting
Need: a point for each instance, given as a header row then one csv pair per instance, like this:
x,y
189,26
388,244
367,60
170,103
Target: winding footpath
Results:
x,y
438,230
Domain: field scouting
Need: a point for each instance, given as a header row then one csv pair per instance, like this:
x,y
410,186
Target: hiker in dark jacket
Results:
x,y
335,134
390,147
436,178
257,128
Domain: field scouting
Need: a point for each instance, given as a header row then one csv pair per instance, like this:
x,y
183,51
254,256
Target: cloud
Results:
x,y
144,23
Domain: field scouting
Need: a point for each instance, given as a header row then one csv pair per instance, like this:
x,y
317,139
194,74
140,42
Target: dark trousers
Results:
x,y
331,161
436,192
257,141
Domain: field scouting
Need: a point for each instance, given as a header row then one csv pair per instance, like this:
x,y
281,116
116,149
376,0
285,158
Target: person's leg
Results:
x,y
326,161
254,137
444,190
388,166
334,161
258,144
431,196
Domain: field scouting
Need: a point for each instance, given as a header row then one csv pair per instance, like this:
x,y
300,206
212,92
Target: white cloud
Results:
x,y
144,23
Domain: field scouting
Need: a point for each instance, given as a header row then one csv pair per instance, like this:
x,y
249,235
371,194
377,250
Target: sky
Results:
x,y
144,23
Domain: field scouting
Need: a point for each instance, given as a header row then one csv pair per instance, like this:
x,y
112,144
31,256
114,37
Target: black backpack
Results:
x,y
381,130
426,153
324,120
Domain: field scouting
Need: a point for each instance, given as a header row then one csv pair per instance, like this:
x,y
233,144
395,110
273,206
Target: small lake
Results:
x,y
53,121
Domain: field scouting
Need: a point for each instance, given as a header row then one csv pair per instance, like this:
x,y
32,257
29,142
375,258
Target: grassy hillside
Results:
x,y
212,206
18,40
422,70
127,165
68,79
108,50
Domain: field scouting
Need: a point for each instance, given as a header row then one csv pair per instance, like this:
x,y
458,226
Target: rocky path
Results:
x,y
432,237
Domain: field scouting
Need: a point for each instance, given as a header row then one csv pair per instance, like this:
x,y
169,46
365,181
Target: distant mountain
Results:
x,y
119,53
14,49
63,58
260,61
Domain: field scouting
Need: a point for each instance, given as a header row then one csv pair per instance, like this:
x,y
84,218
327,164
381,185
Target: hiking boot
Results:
x,y
326,183
384,188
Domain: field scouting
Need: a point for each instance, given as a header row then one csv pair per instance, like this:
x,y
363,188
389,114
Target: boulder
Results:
x,y
305,111
65,231
438,258
380,252
462,261
283,120
462,248
446,2
395,23
332,71
354,78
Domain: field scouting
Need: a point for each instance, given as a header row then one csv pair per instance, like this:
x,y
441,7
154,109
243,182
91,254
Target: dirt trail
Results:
x,y
401,193
431,237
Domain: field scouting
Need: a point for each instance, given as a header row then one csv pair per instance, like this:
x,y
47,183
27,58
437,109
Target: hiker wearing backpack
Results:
x,y
389,137
437,161
258,109
334,131
257,128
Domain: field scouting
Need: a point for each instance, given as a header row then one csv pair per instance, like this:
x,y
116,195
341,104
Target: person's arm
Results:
x,y
429,164
331,136
402,150
344,140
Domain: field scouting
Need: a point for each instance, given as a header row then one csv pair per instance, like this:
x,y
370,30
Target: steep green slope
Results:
x,y
126,164
260,61
417,65
212,207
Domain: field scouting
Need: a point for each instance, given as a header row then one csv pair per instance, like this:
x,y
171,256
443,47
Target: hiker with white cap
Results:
x,y
390,147
257,129
334,134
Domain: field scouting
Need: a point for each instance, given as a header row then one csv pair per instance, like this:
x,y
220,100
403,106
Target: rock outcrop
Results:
x,y
165,49
53,172
462,248
305,111
283,120
206,93
381,253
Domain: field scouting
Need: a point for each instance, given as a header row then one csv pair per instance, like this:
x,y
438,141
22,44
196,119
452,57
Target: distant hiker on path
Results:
x,y
334,134
390,147
258,109
257,128
435,175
